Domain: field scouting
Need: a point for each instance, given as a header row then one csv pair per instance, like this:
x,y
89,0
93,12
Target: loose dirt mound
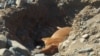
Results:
x,y
84,40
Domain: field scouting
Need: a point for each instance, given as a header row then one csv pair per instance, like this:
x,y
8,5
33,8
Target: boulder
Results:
x,y
5,52
3,41
18,49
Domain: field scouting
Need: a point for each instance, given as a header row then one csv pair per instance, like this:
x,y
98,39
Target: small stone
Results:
x,y
73,36
38,47
17,44
18,49
2,51
40,54
5,52
97,41
99,52
1,5
98,35
67,41
85,36
91,53
85,50
73,42
60,4
3,41
35,51
82,40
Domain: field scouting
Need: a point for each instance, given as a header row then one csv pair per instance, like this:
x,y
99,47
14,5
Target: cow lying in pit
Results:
x,y
51,43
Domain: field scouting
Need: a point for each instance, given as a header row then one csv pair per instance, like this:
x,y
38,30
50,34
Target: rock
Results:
x,y
85,36
10,3
38,47
85,50
35,51
1,5
98,53
41,54
97,36
91,53
19,49
3,41
82,40
5,52
60,4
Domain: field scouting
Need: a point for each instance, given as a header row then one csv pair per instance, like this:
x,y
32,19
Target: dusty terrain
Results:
x,y
29,23
84,40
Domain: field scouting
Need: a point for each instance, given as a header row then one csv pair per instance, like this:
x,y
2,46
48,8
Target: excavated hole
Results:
x,y
34,22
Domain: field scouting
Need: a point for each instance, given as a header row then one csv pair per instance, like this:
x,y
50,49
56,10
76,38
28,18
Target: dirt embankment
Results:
x,y
84,40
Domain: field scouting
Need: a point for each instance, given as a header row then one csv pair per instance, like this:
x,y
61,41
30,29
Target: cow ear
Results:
x,y
44,39
58,27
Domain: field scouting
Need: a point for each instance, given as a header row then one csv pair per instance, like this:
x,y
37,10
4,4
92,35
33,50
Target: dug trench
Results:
x,y
29,24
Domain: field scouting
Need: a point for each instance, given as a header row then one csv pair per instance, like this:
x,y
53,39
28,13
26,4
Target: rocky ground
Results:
x,y
84,40
22,28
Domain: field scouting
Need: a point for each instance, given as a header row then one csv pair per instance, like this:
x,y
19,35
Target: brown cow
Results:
x,y
51,44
